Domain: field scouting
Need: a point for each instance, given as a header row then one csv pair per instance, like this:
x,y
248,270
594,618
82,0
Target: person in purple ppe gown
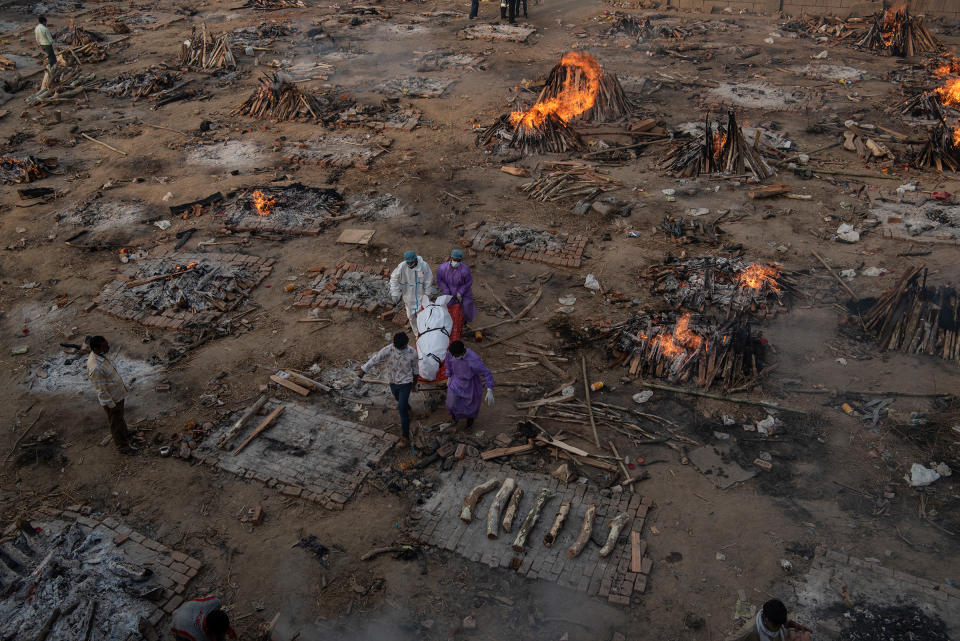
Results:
x,y
466,378
454,279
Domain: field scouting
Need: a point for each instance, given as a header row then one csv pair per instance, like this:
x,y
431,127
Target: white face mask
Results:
x,y
454,264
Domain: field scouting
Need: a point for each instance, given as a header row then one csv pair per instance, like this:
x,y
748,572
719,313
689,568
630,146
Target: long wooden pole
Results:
x,y
720,397
834,274
263,425
103,144
586,391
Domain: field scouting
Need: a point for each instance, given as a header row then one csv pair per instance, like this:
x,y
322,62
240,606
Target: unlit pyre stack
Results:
x,y
723,150
729,354
279,99
941,151
924,104
205,52
625,24
581,182
21,170
917,319
77,36
896,32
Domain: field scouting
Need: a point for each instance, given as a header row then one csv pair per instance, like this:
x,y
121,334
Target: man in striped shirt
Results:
x,y
111,392
201,620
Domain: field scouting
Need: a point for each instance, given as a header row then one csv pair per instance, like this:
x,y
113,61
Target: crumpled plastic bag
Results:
x,y
592,283
921,476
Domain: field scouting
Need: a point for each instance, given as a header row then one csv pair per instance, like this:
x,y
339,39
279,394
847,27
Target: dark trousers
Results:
x,y
118,426
474,8
51,57
402,394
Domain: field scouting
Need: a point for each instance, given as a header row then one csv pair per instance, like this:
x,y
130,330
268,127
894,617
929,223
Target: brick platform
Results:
x,y
340,289
101,543
306,452
295,210
119,300
343,150
568,251
609,578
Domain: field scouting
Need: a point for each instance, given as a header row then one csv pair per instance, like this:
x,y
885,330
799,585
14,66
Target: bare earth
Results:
x,y
835,484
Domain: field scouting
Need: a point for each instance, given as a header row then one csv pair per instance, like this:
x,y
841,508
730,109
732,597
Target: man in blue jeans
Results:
x,y
400,363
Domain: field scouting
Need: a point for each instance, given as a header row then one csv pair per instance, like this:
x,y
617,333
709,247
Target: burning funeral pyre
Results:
x,y
717,150
24,170
204,52
680,351
941,151
896,32
577,89
278,98
730,283
917,319
295,209
141,84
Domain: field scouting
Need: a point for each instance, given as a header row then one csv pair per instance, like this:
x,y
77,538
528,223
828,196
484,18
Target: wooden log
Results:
x,y
720,397
506,451
586,392
530,522
770,191
558,522
616,524
293,387
471,500
493,514
224,440
835,276
308,382
264,424
511,511
48,625
103,144
638,547
586,529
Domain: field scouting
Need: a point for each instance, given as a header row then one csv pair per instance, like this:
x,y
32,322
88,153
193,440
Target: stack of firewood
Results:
x,y
729,355
924,104
552,135
723,150
942,150
88,53
205,52
917,319
74,36
897,32
610,102
273,5
279,99
576,182
625,24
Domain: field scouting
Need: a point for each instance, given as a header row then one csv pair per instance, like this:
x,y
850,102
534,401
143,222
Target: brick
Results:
x,y
174,603
640,585
646,565
176,566
291,490
180,578
120,539
179,557
156,617
191,572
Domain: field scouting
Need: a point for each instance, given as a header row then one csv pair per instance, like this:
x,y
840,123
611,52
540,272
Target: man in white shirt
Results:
x,y
410,280
45,41
401,369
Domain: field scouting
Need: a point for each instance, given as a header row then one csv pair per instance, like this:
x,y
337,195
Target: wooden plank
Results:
x,y
592,462
293,387
543,401
356,236
264,424
638,547
506,451
563,446
308,382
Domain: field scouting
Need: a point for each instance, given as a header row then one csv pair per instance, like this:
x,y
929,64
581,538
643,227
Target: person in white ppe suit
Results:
x,y
410,280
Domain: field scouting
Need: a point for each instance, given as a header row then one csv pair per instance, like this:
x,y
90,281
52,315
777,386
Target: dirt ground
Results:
x,y
823,493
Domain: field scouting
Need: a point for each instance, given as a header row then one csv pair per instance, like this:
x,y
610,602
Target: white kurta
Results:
x,y
410,284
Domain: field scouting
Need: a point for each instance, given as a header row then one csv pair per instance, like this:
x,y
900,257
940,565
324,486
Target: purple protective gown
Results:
x,y
458,281
464,389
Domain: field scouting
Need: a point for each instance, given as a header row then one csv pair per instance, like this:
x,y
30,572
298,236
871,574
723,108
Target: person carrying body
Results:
x,y
409,281
466,376
454,279
401,370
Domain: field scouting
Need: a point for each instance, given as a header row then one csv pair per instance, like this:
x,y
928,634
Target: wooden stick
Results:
x,y
88,624
514,335
308,382
834,274
511,511
719,397
103,144
586,392
616,524
623,468
531,520
558,522
586,529
176,131
22,436
471,500
150,279
499,300
48,625
224,440
263,425
293,387
493,514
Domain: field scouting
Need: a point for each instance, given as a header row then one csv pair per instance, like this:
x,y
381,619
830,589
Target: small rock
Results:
x,y
563,473
469,623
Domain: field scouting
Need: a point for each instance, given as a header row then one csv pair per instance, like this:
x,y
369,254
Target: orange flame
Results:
x,y
956,137
263,203
718,143
682,341
756,275
577,95
183,268
950,92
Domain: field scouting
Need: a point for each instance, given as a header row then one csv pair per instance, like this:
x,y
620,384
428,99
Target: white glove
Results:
x,y
489,397
459,298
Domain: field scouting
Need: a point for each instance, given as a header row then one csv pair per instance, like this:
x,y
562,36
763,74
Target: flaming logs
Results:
x,y
205,52
279,99
21,170
552,134
942,150
730,354
723,150
896,32
917,319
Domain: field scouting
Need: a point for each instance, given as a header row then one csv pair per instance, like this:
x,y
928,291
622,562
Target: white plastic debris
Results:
x,y
848,274
567,391
874,271
766,426
567,300
162,224
728,420
769,41
721,436
920,476
167,196
721,556
592,283
821,56
847,233
907,187
842,361
698,211
786,565
643,397
943,469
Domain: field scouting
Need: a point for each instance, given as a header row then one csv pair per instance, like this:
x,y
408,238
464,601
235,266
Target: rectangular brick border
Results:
x,y
571,255
326,298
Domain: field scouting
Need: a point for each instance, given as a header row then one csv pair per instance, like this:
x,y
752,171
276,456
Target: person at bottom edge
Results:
x,y
466,376
401,369
772,624
201,620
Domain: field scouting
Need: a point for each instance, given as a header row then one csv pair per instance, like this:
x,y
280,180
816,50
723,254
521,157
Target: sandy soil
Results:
x,y
437,171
